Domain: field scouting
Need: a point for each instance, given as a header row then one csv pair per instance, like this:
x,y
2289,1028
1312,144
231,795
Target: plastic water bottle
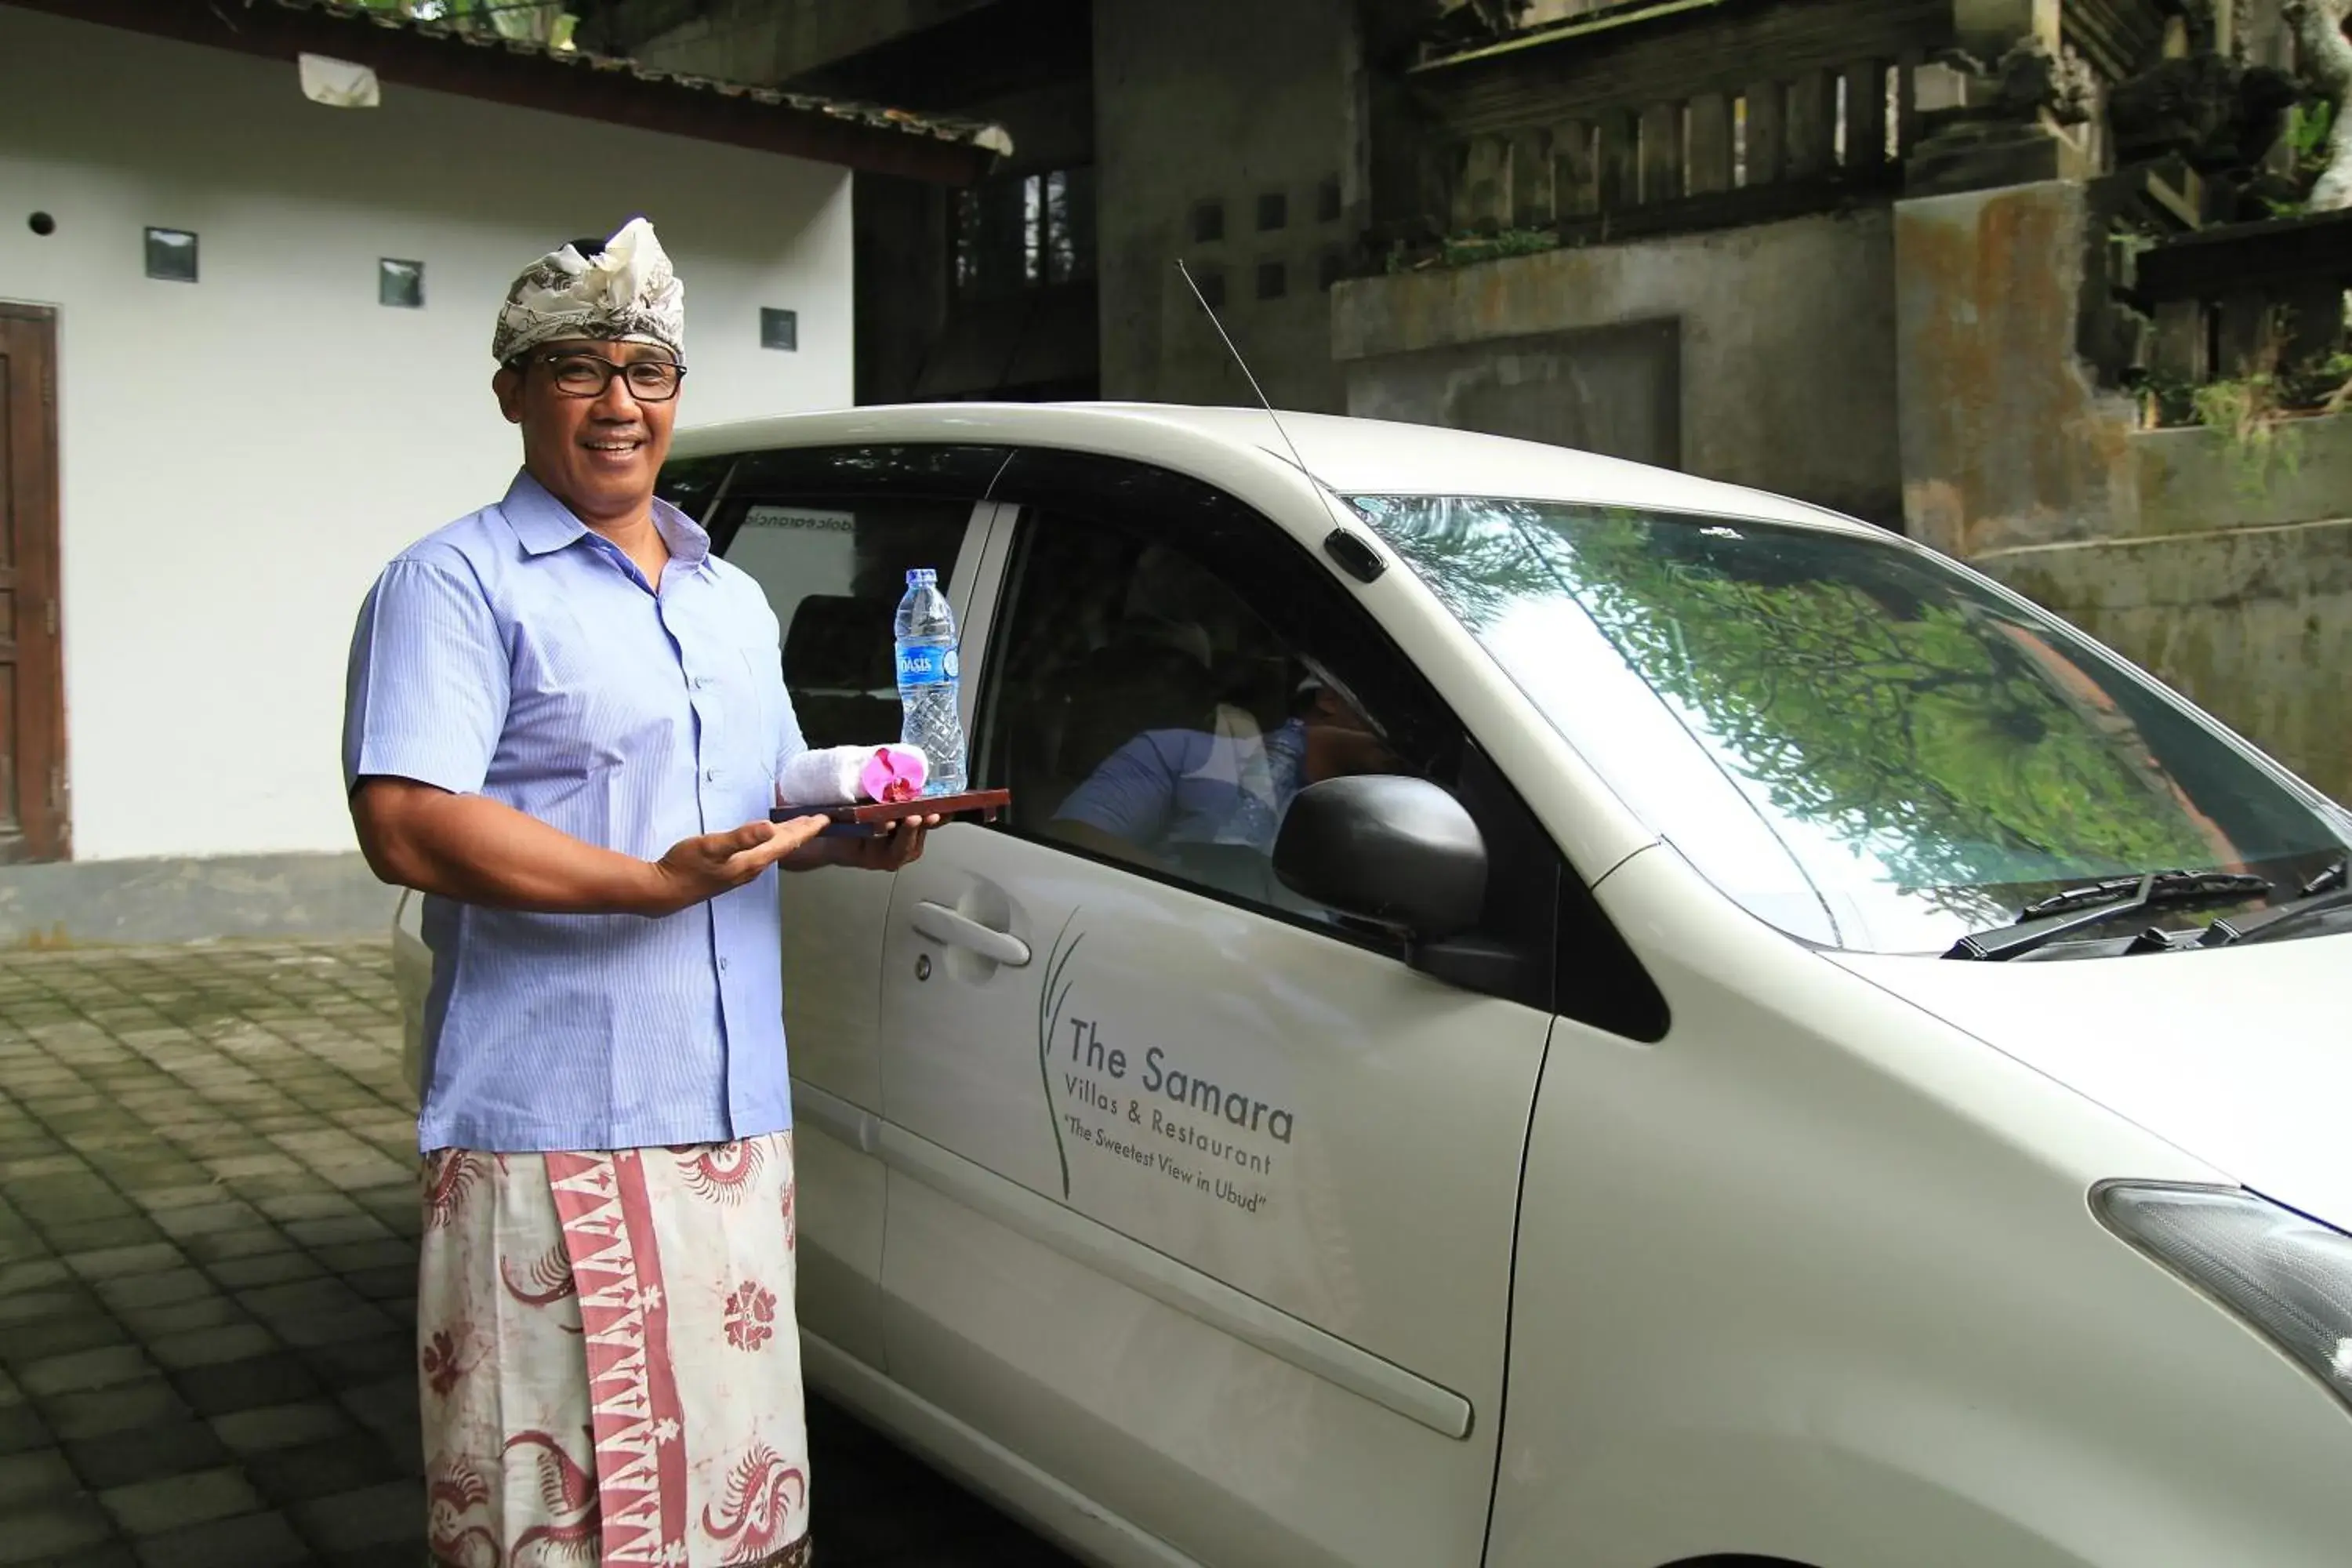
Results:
x,y
928,680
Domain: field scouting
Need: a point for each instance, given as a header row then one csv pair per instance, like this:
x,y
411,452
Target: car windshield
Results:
x,y
1862,744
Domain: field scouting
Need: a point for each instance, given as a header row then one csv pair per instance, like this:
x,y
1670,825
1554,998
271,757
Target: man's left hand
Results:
x,y
890,846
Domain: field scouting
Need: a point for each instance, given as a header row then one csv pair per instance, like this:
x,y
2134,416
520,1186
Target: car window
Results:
x,y
1150,713
1859,743
834,568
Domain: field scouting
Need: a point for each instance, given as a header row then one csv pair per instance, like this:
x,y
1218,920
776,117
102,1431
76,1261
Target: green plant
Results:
x,y
1467,249
2248,413
2310,126
2308,129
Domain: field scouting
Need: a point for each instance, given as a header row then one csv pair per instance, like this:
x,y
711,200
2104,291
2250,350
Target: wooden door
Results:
x,y
33,816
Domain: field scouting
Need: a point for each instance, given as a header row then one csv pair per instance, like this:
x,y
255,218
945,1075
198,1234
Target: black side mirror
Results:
x,y
1397,852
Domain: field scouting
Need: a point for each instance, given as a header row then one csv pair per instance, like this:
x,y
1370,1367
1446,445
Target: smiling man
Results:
x,y
566,720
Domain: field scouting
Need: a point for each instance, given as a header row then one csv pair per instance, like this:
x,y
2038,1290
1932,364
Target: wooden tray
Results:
x,y
864,818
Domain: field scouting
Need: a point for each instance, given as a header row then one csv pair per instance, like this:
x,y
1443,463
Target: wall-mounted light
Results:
x,y
400,284
780,330
171,254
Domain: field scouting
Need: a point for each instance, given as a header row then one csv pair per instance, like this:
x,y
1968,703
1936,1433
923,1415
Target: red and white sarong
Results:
x,y
610,1367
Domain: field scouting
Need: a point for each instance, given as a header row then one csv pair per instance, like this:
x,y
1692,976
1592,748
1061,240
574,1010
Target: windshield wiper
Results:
x,y
2074,908
2331,889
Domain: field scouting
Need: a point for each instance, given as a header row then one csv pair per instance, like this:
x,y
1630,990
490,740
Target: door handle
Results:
x,y
943,924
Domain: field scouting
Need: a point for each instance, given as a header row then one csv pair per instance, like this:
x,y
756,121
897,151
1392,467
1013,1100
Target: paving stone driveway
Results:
x,y
207,1268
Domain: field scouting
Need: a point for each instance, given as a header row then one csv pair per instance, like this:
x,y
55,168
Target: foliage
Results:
x,y
2247,413
2310,126
2307,132
1468,249
531,21
2256,413
2324,54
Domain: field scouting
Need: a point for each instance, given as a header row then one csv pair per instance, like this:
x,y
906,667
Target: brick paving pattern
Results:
x,y
207,1275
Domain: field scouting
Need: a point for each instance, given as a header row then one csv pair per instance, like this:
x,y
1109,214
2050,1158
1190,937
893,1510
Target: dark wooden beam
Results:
x,y
1723,48
590,87
2216,261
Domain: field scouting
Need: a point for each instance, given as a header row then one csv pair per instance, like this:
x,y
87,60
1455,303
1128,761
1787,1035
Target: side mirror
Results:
x,y
1397,852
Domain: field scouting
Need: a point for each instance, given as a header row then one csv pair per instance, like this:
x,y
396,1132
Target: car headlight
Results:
x,y
2289,1277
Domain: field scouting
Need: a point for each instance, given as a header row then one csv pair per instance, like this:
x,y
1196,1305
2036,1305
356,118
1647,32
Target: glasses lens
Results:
x,y
653,379
578,375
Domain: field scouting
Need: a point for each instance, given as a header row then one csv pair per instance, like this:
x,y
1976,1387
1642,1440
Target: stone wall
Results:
x,y
1764,356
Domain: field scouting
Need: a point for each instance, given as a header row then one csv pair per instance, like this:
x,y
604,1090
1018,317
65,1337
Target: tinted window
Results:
x,y
1150,713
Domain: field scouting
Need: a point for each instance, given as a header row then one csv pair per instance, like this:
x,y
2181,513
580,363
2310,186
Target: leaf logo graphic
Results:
x,y
1051,996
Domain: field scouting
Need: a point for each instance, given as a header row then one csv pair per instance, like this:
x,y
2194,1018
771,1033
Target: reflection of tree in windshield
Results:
x,y
1920,725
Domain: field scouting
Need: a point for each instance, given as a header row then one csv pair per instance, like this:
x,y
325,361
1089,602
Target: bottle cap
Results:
x,y
922,577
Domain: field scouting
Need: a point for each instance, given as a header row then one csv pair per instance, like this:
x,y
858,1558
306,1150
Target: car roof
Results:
x,y
1352,456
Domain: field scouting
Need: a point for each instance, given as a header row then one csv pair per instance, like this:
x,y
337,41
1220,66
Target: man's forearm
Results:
x,y
477,850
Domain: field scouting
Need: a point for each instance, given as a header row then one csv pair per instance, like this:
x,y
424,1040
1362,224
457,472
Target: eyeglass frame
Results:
x,y
613,368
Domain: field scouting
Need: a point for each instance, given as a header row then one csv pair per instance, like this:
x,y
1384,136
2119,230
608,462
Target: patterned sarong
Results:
x,y
609,1363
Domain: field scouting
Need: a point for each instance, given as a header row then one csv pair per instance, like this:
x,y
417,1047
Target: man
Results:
x,y
1211,803
566,719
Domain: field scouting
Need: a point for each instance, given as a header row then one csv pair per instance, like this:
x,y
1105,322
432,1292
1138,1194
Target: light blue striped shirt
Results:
x,y
518,656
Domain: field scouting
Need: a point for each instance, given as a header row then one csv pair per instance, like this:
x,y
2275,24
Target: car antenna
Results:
x,y
1343,544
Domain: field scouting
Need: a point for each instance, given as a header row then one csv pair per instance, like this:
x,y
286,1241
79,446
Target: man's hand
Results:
x,y
697,869
891,846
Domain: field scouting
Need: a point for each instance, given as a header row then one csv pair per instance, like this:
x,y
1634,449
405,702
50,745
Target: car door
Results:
x,y
829,535
1202,1199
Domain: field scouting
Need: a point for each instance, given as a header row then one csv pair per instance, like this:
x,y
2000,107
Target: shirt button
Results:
x,y
722,966
710,775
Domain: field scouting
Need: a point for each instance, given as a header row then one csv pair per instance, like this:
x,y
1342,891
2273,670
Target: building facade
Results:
x,y
247,343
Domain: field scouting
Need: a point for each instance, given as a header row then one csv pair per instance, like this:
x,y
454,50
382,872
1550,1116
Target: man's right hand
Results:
x,y
697,869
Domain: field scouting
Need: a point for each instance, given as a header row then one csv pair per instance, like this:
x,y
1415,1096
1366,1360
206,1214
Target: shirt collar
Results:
x,y
544,525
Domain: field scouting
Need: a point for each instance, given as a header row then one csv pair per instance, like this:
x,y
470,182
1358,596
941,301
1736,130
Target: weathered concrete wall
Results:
x,y
132,902
2004,440
1186,114
2235,587
1613,389
1764,356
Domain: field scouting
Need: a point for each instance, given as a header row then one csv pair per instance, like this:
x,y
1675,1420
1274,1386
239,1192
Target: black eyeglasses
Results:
x,y
587,375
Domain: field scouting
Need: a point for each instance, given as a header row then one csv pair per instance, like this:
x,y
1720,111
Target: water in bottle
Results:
x,y
928,681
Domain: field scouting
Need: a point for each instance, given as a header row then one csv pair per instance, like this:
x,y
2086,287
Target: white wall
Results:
x,y
241,455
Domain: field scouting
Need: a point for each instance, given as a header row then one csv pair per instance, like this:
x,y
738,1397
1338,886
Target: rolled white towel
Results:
x,y
834,776
823,778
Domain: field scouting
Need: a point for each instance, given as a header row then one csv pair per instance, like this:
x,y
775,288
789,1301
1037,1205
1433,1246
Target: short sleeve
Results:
x,y
789,741
1131,795
426,697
